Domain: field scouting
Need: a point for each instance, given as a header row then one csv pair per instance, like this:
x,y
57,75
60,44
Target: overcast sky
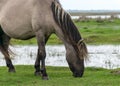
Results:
x,y
91,4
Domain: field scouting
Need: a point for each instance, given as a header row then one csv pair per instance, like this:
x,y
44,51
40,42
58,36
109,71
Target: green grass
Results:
x,y
93,32
100,33
58,76
101,36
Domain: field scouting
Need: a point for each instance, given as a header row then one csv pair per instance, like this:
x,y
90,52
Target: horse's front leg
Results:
x,y
37,65
40,68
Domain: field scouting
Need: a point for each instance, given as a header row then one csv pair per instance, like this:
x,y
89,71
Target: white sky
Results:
x,y
91,4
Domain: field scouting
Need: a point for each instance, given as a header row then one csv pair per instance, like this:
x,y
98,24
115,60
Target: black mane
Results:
x,y
64,20
69,29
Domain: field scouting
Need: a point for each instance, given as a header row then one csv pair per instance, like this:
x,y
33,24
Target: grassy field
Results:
x,y
58,76
105,32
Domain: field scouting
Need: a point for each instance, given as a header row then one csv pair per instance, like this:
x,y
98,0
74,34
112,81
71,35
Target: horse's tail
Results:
x,y
69,29
1,42
2,46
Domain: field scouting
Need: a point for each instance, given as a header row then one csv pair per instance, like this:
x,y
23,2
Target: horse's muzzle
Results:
x,y
78,74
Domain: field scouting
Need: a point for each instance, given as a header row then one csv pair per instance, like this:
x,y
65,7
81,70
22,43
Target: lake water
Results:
x,y
97,16
105,56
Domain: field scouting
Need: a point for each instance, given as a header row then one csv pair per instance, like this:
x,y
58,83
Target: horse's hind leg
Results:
x,y
4,44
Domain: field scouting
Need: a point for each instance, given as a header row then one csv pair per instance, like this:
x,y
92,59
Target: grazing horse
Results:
x,y
24,19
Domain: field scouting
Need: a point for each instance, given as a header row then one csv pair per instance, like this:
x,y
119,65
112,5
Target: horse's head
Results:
x,y
75,57
76,66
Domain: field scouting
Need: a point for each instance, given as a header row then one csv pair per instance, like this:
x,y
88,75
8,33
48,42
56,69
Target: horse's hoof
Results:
x,y
45,78
37,73
11,70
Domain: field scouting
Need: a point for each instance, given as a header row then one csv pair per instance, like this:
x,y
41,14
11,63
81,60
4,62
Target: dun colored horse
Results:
x,y
24,19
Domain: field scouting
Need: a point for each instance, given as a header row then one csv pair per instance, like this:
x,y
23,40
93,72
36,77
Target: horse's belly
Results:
x,y
23,35
17,30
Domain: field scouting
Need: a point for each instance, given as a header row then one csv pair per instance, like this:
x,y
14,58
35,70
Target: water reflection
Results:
x,y
106,56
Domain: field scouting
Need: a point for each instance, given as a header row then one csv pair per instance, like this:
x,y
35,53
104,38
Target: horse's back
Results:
x,y
19,17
